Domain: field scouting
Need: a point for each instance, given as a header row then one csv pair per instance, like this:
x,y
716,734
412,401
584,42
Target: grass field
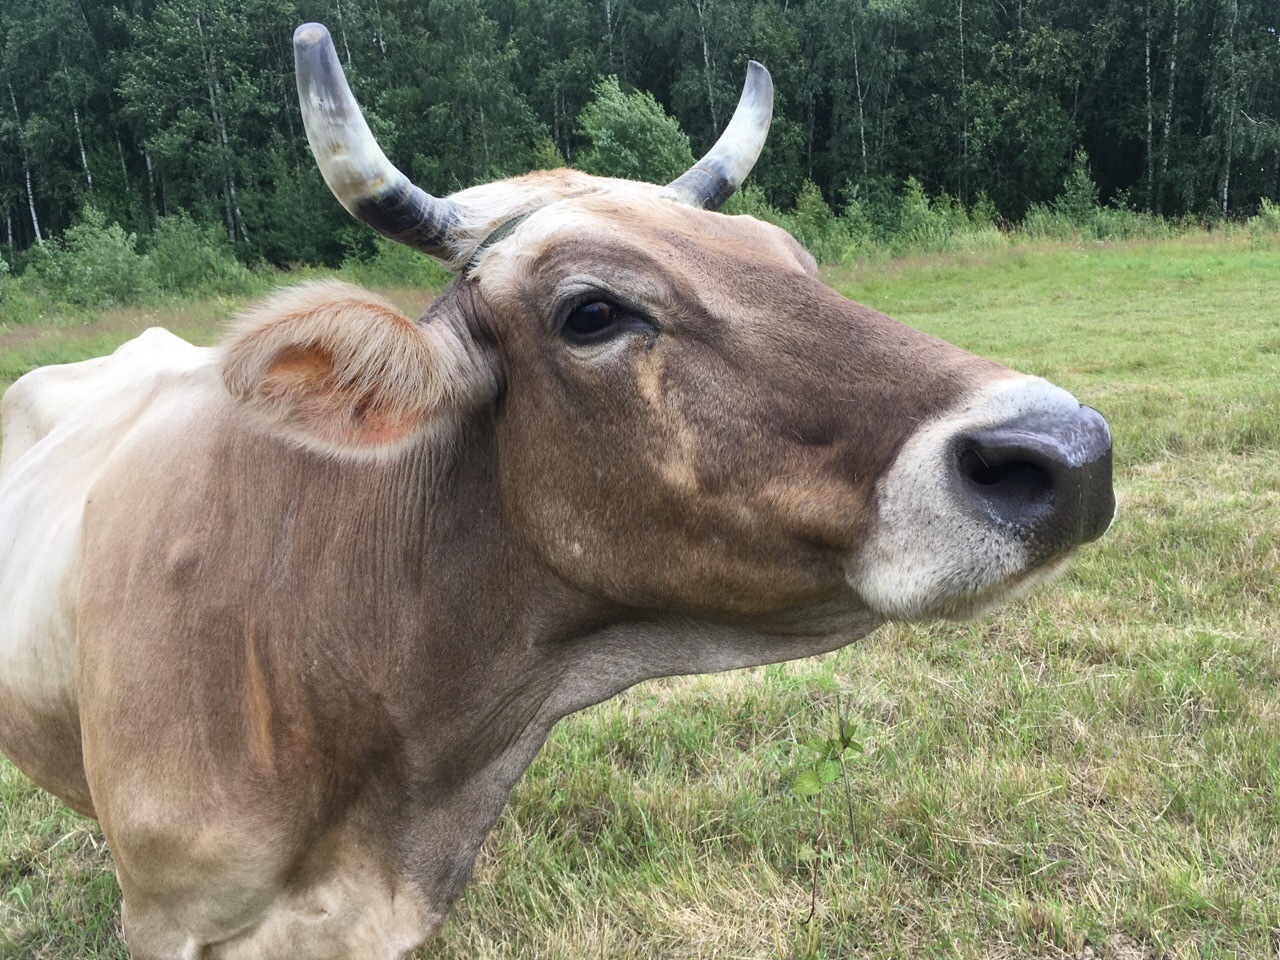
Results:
x,y
1092,772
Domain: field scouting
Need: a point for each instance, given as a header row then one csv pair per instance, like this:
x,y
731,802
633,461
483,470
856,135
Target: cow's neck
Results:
x,y
481,648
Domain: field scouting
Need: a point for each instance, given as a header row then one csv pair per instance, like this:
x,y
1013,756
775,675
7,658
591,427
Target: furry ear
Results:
x,y
343,371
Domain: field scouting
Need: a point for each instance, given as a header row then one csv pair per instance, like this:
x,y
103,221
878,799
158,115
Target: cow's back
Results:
x,y
60,426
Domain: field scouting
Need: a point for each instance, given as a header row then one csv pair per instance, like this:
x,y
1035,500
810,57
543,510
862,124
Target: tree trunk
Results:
x,y
151,183
706,63
124,167
568,141
862,118
484,142
235,221
26,167
608,29
886,90
378,35
235,209
808,137
84,161
342,31
1228,147
964,106
1168,108
1151,155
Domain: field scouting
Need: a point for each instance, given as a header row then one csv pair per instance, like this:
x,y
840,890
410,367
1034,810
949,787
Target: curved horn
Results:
x,y
714,178
350,160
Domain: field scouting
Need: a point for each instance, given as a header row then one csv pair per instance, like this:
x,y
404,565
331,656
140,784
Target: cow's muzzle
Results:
x,y
1046,480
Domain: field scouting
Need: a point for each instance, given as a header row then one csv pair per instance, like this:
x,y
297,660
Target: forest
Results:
x,y
135,112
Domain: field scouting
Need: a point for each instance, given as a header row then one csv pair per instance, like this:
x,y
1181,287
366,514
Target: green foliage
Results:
x,y
1266,222
19,305
190,105
1079,197
393,264
923,225
546,155
630,136
94,264
861,232
185,259
750,201
814,225
823,759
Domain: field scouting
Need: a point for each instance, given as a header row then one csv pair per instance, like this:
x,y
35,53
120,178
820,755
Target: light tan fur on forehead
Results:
x,y
483,209
636,213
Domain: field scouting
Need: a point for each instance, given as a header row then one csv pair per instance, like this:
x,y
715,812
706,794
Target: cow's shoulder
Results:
x,y
61,426
91,393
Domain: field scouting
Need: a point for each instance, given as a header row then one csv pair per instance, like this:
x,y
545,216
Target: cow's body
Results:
x,y
290,617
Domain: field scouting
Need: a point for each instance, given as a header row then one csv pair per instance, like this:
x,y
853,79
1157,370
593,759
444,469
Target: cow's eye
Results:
x,y
596,321
592,321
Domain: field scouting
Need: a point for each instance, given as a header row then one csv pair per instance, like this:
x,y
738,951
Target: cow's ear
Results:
x,y
343,371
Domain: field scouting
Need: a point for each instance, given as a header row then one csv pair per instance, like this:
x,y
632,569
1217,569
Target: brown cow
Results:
x,y
291,616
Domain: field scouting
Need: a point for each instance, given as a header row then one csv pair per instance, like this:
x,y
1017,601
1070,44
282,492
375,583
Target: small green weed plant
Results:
x,y
824,764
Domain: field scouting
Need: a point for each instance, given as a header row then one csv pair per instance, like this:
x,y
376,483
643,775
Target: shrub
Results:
x,y
1118,223
1266,221
186,259
1046,223
814,225
631,136
923,226
546,155
860,232
394,265
750,201
1079,198
94,264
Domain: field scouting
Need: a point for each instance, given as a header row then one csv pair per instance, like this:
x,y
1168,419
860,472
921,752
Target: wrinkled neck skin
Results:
x,y
521,649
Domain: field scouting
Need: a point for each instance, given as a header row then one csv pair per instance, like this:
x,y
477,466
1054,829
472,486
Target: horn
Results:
x,y
714,178
350,160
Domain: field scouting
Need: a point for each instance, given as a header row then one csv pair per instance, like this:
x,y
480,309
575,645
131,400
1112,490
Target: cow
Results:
x,y
291,615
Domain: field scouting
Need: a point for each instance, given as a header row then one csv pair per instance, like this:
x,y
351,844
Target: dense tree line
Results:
x,y
142,108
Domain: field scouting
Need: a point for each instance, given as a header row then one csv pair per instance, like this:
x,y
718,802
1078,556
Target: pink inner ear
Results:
x,y
301,380
298,370
374,423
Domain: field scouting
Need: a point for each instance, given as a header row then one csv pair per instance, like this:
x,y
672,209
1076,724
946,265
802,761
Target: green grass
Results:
x,y
1092,772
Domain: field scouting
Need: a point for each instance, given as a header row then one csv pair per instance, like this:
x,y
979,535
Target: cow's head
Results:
x,y
685,418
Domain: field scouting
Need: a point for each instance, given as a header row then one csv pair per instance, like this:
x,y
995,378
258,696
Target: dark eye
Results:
x,y
592,321
599,321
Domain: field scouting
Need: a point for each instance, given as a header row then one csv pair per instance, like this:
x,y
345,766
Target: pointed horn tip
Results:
x,y
311,35
758,78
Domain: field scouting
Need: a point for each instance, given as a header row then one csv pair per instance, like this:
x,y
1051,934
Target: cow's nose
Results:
x,y
1046,479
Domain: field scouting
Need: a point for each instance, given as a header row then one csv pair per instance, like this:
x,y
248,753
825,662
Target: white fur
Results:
x,y
927,554
61,425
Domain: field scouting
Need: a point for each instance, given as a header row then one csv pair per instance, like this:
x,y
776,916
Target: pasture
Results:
x,y
1091,772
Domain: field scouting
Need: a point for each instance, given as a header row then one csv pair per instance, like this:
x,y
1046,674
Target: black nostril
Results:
x,y
1046,479
1016,480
